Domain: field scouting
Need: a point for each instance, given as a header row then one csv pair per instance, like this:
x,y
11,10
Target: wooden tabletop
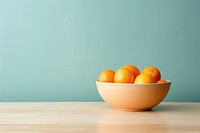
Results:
x,y
96,117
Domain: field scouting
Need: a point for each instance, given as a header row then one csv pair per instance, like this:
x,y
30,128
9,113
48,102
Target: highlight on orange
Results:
x,y
161,81
153,71
133,68
106,76
124,75
144,79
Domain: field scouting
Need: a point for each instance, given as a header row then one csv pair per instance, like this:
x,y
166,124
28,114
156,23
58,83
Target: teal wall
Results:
x,y
54,50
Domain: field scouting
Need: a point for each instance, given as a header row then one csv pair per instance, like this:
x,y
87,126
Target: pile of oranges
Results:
x,y
131,74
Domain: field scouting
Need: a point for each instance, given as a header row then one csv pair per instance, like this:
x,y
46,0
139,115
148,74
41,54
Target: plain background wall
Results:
x,y
54,50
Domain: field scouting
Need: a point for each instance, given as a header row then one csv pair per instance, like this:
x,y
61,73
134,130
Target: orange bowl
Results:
x,y
133,96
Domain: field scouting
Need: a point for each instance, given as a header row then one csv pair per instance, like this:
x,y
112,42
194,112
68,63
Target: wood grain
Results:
x,y
96,117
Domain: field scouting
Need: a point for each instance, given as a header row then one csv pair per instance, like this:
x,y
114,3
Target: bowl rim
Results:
x,y
128,84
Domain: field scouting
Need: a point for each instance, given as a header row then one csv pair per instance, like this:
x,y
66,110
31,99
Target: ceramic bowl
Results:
x,y
136,97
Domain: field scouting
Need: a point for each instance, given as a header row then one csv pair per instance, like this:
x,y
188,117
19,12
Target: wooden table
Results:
x,y
96,117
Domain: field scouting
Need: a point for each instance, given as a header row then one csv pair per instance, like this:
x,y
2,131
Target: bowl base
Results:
x,y
133,110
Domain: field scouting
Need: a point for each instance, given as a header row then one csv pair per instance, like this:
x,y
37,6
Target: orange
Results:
x,y
144,78
106,76
134,69
153,71
124,75
161,81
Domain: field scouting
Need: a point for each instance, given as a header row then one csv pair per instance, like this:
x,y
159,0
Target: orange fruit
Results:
x,y
124,75
161,81
153,71
134,69
106,76
144,78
